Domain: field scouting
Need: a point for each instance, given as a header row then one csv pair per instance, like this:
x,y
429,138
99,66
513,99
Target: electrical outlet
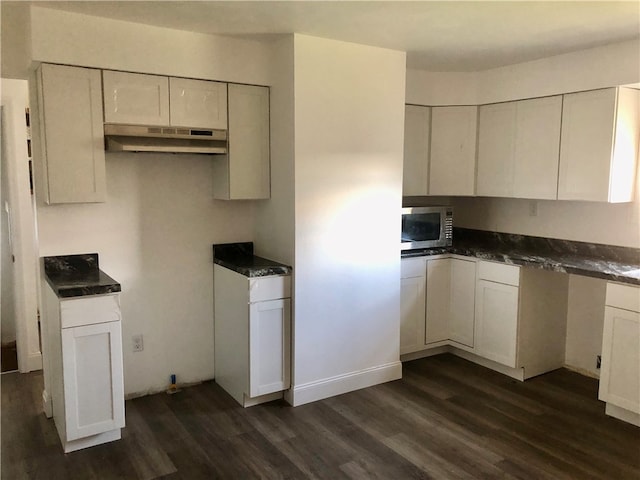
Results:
x,y
138,346
598,361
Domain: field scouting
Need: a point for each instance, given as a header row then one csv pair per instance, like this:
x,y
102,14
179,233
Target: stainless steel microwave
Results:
x,y
426,227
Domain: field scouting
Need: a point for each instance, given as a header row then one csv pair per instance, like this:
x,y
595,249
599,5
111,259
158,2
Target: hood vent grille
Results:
x,y
140,138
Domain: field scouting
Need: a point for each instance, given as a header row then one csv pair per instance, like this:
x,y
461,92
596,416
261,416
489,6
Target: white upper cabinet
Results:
x,y
72,167
518,149
599,145
244,173
415,176
198,103
496,150
453,150
135,98
140,99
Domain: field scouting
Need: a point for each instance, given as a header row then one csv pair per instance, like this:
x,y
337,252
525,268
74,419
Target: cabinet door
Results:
x,y
269,346
586,144
496,322
462,313
537,148
244,173
93,379
438,300
135,98
415,175
620,374
72,135
412,314
496,149
198,103
453,150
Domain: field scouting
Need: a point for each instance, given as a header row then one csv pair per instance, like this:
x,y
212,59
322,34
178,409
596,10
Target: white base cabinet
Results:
x,y
252,328
412,304
86,371
620,370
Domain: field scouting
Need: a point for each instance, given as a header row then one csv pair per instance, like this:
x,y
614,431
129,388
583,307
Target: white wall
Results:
x,y
154,233
16,40
348,180
274,236
154,236
76,39
15,98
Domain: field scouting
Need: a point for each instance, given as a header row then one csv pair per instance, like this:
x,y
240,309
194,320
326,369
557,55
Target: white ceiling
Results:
x,y
437,35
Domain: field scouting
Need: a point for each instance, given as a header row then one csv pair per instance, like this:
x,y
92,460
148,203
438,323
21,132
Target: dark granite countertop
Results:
x,y
239,257
620,264
78,276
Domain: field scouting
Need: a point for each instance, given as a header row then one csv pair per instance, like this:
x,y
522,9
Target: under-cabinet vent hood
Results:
x,y
139,138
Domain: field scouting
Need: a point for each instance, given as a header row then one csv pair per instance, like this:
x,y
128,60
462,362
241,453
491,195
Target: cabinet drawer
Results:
x,y
412,267
269,288
90,310
626,297
499,272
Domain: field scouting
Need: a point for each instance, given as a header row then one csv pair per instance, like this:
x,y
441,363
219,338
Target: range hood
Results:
x,y
140,138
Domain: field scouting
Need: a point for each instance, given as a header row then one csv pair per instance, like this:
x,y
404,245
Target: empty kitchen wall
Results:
x,y
155,231
348,186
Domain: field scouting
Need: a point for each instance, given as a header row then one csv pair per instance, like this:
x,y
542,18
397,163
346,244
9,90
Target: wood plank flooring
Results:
x,y
446,419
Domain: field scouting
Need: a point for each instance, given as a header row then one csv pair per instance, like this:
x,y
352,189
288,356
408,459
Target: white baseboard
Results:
x,y
517,373
622,414
330,387
34,362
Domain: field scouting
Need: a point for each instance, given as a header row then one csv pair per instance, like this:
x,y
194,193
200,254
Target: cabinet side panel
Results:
x,y
412,314
438,294
231,331
542,326
625,152
249,142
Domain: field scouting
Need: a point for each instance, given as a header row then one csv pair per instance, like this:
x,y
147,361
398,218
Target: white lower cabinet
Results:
x,y
620,371
252,326
412,305
505,317
497,322
87,383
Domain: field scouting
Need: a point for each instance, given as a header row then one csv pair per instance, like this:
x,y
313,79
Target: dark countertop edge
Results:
x,y
550,264
267,269
104,286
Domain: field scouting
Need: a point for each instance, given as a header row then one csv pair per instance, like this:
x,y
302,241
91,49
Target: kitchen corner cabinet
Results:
x,y
520,317
70,133
87,383
599,145
450,302
252,335
518,148
452,167
620,372
412,304
244,173
417,128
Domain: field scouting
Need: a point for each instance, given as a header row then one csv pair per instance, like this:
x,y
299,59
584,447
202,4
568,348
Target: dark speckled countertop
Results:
x,y
620,264
239,257
77,276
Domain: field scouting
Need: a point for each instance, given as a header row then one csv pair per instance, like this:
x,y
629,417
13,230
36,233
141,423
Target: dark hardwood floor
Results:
x,y
446,419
